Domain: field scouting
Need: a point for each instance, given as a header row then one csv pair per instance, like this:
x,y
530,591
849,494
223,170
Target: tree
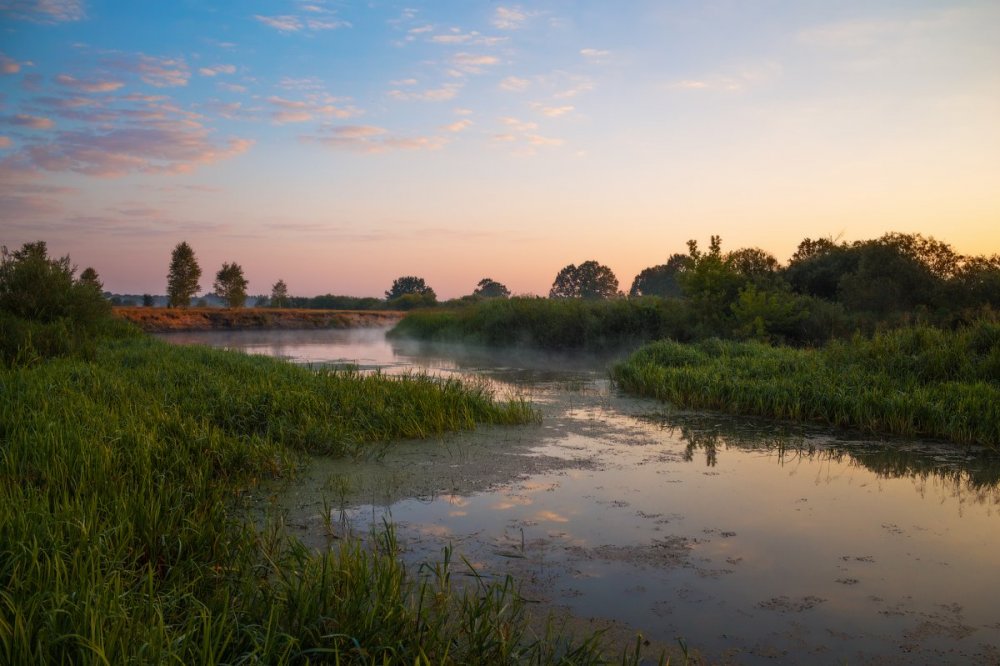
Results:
x,y
183,276
147,300
36,288
660,280
279,295
588,280
409,284
489,288
90,278
230,285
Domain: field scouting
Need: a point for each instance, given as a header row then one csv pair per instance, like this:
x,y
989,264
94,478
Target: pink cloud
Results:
x,y
4,142
217,69
44,11
372,139
90,86
31,122
8,65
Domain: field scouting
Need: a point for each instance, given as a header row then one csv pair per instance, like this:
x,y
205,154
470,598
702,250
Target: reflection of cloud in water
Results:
x,y
433,530
511,502
551,516
458,514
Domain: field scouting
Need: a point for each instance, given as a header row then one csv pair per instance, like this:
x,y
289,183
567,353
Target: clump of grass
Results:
x,y
917,381
122,539
551,324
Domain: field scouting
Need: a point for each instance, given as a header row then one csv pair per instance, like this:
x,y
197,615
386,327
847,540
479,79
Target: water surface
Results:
x,y
755,541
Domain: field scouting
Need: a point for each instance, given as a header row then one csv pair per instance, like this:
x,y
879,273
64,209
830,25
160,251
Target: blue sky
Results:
x,y
338,145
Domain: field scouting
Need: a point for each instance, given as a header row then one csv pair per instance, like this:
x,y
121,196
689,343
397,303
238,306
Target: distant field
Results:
x,y
200,319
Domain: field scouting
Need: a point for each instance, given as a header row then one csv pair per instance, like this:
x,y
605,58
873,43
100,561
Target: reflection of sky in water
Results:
x,y
735,534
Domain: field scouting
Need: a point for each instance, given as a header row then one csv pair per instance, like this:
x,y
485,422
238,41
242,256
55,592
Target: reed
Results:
x,y
552,324
915,381
125,536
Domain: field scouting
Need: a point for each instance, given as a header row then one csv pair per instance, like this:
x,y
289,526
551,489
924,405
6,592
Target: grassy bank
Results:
x,y
551,324
917,381
155,320
122,538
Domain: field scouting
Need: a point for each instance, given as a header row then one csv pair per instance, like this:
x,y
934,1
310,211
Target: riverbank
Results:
x,y
120,502
162,320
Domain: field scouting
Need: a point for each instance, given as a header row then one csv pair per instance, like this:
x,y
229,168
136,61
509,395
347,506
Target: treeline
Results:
x,y
828,290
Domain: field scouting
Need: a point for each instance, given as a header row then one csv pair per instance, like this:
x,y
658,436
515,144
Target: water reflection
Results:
x,y
757,541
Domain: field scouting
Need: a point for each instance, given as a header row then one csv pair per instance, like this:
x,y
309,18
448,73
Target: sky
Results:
x,y
339,145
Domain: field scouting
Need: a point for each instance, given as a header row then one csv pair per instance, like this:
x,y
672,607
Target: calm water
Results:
x,y
756,542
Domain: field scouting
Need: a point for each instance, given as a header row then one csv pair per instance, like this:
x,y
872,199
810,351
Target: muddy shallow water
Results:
x,y
754,541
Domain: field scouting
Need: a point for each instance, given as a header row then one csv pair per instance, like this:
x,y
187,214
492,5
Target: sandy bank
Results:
x,y
157,320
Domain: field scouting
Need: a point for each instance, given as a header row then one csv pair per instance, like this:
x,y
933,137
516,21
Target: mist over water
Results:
x,y
755,541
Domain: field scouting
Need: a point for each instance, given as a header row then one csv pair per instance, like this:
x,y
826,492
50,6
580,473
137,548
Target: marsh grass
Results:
x,y
551,324
123,540
915,381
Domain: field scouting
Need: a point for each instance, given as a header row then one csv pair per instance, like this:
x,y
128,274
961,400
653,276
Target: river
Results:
x,y
751,540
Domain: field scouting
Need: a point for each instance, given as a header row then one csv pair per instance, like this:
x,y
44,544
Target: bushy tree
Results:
x,y
279,294
44,311
183,276
230,285
660,280
409,284
489,288
588,280
147,300
90,278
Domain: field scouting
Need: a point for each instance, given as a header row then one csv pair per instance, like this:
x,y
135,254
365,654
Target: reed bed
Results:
x,y
124,537
915,381
552,324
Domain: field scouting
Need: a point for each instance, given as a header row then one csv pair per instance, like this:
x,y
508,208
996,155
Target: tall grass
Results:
x,y
122,539
552,324
917,381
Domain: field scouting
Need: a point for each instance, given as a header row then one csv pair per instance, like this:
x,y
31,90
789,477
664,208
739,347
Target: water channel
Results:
x,y
753,541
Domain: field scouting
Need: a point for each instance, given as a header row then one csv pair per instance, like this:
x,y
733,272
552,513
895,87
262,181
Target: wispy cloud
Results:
x,y
157,72
312,17
303,110
372,139
8,65
456,36
737,80
472,63
509,18
5,141
523,133
440,94
29,122
553,111
44,11
88,85
514,84
217,69
458,125
595,54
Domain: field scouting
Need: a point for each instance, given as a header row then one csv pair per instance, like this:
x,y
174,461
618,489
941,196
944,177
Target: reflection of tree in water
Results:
x,y
965,474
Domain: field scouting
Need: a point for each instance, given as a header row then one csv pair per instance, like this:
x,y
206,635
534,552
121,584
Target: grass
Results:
x,y
551,324
916,381
122,538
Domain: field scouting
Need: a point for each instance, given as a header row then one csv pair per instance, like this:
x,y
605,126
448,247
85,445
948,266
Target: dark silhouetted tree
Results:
x,y
90,278
489,288
588,280
408,284
230,285
147,300
183,276
279,295
660,280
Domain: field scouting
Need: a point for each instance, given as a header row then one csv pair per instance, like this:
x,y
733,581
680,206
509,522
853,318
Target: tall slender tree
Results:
x,y
182,279
279,295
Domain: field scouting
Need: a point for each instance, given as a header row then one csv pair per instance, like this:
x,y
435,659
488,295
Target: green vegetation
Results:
x,y
230,285
917,381
183,276
588,280
126,530
558,324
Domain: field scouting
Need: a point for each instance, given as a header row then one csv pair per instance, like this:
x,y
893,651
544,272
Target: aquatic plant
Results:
x,y
125,534
918,380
